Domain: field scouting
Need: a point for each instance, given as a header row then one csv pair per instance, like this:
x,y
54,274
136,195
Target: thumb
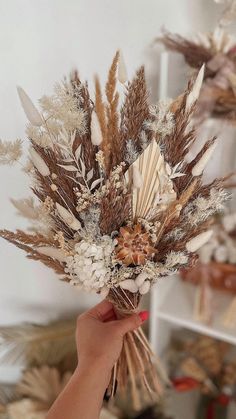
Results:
x,y
130,323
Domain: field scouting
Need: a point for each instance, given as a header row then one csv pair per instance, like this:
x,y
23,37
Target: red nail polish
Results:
x,y
144,315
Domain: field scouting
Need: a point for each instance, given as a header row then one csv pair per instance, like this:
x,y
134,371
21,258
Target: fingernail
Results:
x,y
144,315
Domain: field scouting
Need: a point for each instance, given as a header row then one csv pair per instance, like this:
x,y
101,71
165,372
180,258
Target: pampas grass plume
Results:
x,y
38,162
196,242
52,252
68,218
122,71
201,164
96,132
30,110
194,94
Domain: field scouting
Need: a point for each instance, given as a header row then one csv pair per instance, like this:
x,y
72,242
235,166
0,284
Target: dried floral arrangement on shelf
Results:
x,y
208,365
217,50
118,204
216,268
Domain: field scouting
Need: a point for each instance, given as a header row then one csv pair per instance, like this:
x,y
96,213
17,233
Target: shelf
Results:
x,y
176,304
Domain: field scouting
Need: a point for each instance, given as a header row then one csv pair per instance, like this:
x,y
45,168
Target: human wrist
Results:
x,y
97,367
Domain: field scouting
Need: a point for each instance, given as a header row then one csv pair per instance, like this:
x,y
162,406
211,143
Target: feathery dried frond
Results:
x,y
37,345
10,151
32,253
111,150
135,110
194,54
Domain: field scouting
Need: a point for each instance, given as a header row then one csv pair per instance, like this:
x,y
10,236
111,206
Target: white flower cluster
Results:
x,y
90,267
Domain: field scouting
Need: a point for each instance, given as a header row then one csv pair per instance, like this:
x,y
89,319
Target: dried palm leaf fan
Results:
x,y
38,345
217,51
116,197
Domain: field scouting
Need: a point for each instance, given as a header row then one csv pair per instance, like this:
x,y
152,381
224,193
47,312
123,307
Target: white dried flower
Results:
x,y
90,267
196,242
197,170
38,162
96,132
68,218
10,151
31,111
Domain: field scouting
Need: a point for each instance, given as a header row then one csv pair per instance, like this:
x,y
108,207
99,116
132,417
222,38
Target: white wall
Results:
x,y
41,40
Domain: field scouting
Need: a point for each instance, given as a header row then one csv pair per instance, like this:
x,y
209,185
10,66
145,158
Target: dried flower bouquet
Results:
x,y
217,50
118,204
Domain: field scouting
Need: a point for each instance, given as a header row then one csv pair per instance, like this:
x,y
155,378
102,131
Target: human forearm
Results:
x,y
82,397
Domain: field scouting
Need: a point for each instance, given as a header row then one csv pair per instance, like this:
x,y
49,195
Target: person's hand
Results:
x,y
99,335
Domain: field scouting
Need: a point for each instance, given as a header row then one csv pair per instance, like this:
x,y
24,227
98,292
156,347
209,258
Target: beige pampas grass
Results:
x,y
96,132
196,242
10,151
122,71
194,94
199,167
68,218
38,162
52,252
31,111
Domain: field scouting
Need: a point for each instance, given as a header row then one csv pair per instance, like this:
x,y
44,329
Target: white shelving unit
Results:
x,y
172,302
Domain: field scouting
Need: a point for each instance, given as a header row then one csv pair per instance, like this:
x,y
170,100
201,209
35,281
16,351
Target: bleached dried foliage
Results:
x,y
114,182
216,51
10,151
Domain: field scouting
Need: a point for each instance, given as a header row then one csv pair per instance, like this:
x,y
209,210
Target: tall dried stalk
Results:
x,y
112,151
